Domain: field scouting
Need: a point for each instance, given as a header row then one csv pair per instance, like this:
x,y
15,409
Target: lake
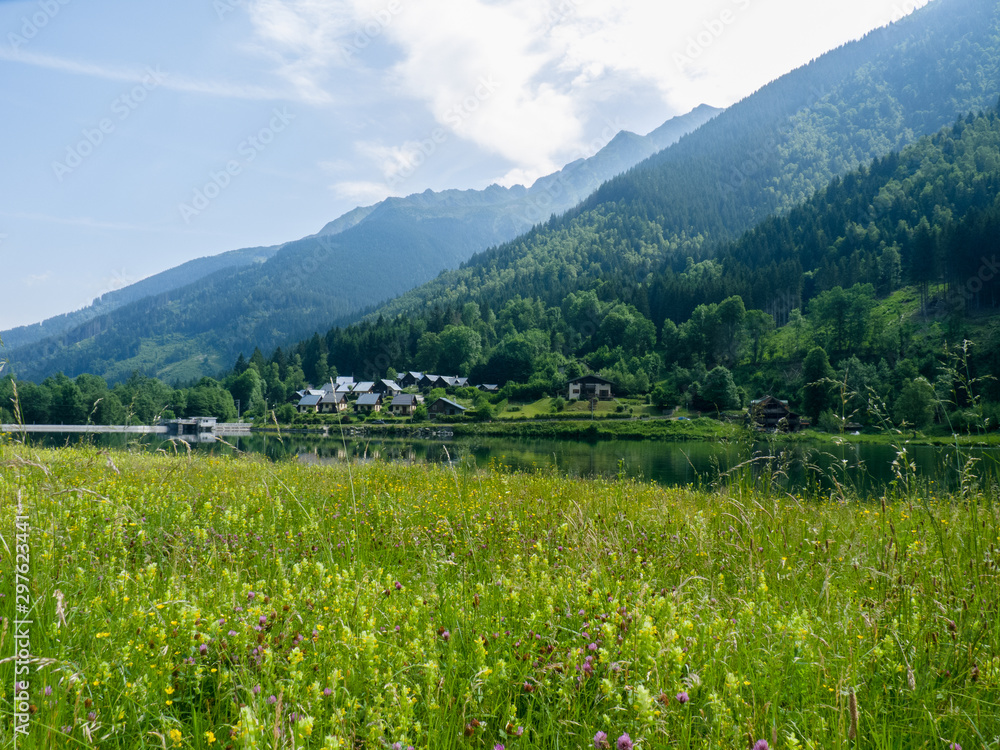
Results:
x,y
799,466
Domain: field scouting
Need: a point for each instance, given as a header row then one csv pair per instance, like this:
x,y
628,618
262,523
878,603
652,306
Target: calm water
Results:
x,y
869,468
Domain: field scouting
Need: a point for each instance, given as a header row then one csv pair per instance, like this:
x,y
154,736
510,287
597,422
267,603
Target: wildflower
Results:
x,y
176,737
592,647
251,596
203,649
48,690
271,700
446,636
601,741
954,746
256,689
683,698
399,586
210,737
92,716
498,746
761,745
327,692
624,742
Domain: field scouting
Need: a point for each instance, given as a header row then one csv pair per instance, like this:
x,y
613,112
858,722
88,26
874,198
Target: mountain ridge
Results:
x,y
250,303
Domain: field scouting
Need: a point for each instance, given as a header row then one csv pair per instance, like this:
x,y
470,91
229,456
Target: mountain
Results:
x,y
161,283
761,156
889,269
193,320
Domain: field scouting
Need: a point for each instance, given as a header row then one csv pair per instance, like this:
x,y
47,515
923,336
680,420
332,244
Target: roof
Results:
x,y
488,387
345,380
415,375
364,387
345,387
404,399
591,378
334,398
369,399
767,399
310,400
449,402
392,384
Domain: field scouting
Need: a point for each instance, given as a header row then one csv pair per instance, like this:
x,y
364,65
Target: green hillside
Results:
x,y
181,330
761,156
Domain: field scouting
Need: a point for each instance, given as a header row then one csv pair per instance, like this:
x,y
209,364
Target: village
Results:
x,y
409,392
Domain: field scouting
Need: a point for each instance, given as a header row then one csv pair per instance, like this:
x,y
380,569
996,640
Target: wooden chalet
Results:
x,y
368,403
403,405
444,407
387,388
410,379
773,415
310,404
333,402
589,387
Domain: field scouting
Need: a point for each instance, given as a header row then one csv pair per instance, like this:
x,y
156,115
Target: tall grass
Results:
x,y
198,602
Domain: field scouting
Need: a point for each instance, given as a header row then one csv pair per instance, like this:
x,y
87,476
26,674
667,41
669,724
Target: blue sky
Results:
x,y
137,136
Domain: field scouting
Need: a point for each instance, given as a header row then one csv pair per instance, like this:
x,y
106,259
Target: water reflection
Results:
x,y
864,468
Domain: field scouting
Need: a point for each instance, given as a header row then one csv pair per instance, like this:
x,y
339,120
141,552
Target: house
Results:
x,y
773,414
403,405
345,380
386,388
309,392
345,388
332,403
445,408
488,387
590,387
365,387
368,402
462,382
430,381
310,404
410,379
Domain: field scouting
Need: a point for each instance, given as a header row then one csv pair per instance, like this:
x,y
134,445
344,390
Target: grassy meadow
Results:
x,y
186,601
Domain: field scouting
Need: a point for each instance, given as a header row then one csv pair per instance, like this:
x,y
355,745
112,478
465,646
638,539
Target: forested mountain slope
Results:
x,y
366,256
885,270
761,156
161,283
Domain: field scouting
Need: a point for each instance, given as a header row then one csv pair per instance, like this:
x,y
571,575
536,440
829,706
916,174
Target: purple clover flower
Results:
x,y
624,742
761,745
203,649
601,741
683,697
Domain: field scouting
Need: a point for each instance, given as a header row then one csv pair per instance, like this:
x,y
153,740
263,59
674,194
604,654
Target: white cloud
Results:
x,y
361,192
532,80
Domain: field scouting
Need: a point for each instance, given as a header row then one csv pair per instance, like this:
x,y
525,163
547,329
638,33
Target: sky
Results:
x,y
138,136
